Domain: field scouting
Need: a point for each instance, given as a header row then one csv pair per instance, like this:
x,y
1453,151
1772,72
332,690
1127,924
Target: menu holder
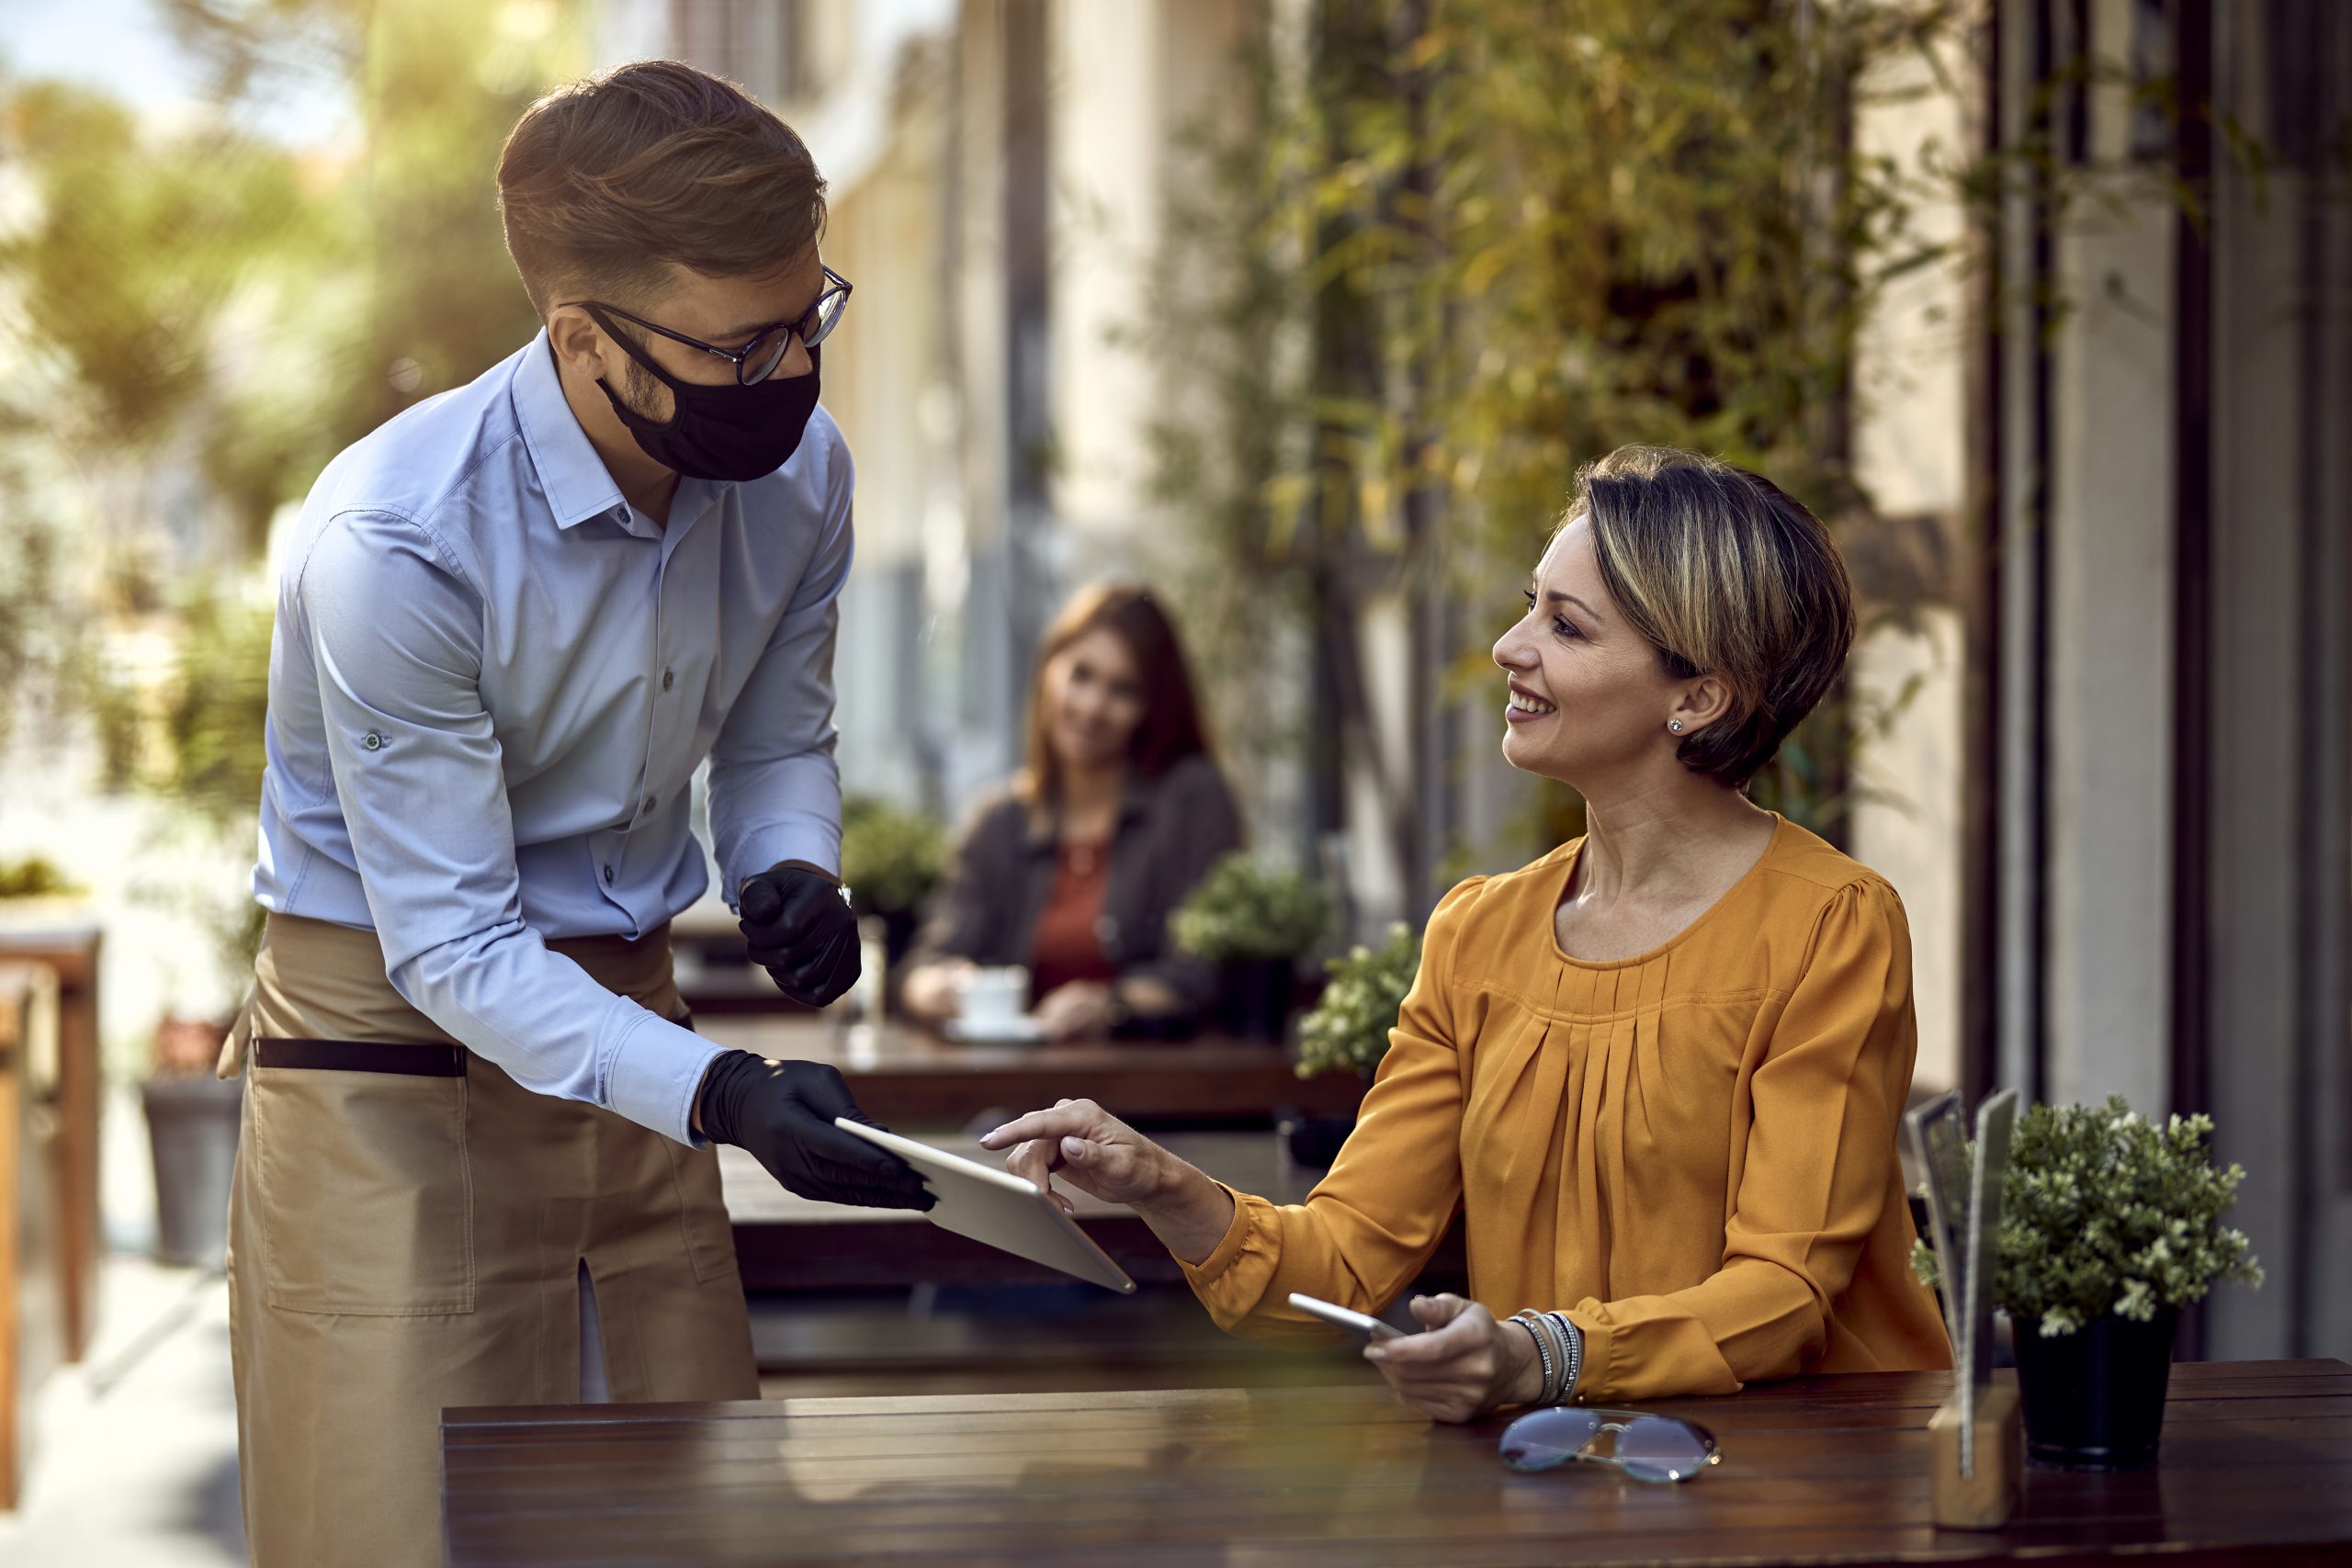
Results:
x,y
1977,1440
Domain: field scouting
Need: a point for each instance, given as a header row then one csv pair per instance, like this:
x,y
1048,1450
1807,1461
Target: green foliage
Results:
x,y
891,858
216,709
1452,251
138,244
34,878
1348,1028
1245,911
197,737
2103,1211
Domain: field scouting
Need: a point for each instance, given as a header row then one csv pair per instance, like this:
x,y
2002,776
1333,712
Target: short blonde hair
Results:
x,y
1724,574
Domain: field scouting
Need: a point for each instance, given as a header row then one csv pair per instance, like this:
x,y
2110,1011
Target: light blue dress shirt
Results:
x,y
489,686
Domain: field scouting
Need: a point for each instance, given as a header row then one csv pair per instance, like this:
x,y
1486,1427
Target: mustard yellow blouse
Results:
x,y
1691,1152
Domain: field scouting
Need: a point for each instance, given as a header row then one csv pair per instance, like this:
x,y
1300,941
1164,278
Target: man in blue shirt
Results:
x,y
514,621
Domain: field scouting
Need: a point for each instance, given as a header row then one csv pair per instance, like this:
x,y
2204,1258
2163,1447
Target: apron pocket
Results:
x,y
365,1190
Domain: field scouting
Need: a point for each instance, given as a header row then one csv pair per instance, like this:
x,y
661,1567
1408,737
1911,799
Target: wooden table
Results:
x,y
785,1242
30,1331
68,1091
2257,1467
907,1074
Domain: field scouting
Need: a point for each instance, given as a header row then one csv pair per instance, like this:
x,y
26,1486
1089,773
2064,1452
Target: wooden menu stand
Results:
x,y
1984,1499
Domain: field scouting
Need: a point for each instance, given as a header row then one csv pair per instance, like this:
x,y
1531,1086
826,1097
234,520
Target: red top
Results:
x,y
1066,946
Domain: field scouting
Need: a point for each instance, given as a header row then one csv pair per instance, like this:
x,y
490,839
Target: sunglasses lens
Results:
x,y
1542,1438
1653,1448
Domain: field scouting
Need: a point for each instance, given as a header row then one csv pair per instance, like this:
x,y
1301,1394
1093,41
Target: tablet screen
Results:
x,y
996,1207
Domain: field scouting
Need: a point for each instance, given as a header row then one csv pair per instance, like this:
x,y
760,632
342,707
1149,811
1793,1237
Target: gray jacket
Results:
x,y
1171,829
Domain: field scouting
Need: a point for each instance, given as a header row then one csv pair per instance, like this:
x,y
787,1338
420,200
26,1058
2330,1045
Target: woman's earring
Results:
x,y
1675,724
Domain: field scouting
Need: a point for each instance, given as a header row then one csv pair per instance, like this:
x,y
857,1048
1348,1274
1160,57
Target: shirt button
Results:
x,y
374,742
608,876
669,678
651,801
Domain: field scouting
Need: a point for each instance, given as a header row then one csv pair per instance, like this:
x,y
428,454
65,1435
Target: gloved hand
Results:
x,y
783,1112
801,931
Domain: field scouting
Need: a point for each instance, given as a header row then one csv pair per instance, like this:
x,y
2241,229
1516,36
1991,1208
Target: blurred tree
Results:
x,y
1462,246
206,316
437,85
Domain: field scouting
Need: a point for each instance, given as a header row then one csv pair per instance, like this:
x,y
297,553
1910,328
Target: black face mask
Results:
x,y
728,432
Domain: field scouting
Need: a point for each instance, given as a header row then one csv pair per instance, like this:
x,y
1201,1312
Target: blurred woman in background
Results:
x,y
1072,869
1660,1068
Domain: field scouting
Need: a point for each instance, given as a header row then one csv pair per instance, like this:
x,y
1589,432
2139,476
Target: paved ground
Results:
x,y
136,1462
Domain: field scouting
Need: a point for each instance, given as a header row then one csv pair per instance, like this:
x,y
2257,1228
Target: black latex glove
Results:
x,y
801,931
783,1112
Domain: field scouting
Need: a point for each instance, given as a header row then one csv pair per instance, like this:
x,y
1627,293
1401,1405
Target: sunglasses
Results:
x,y
1648,1448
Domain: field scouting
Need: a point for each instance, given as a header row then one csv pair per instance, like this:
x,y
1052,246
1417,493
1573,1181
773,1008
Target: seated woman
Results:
x,y
1073,869
1661,1067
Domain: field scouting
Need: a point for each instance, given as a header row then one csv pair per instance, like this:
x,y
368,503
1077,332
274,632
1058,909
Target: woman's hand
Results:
x,y
935,992
1079,1008
1464,1366
1101,1156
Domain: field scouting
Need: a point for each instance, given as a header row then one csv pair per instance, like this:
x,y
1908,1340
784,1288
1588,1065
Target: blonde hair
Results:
x,y
1725,575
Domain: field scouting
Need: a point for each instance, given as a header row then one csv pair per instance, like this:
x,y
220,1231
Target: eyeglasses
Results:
x,y
1648,1448
756,360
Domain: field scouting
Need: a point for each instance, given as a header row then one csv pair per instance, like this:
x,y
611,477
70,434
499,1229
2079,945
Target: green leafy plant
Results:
x,y
2104,1211
891,858
1245,911
1348,1028
33,877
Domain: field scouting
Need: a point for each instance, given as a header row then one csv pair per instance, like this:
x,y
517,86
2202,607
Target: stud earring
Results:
x,y
1676,725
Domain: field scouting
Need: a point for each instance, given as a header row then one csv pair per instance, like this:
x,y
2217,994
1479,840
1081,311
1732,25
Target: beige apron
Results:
x,y
410,1236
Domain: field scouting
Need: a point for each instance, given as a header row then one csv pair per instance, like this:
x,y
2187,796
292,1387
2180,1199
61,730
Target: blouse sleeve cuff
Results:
x,y
1221,1257
1595,1375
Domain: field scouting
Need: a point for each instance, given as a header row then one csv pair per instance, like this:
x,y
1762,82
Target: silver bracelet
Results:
x,y
1561,1343
1572,1338
1531,1322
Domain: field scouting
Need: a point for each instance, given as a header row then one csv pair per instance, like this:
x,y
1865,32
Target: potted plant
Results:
x,y
1255,920
192,1114
2110,1226
194,738
892,859
1347,1029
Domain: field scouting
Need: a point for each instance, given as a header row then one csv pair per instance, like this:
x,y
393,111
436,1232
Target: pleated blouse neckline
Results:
x,y
1566,876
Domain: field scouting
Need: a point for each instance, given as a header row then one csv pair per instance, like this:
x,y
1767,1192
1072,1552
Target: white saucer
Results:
x,y
1017,1031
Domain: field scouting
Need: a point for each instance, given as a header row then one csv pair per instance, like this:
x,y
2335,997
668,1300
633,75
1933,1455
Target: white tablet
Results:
x,y
995,1206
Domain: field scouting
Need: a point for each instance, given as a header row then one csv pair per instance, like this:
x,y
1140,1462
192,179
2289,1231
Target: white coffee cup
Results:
x,y
994,999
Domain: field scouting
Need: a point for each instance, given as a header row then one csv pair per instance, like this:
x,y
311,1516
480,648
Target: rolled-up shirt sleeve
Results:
x,y
395,632
775,787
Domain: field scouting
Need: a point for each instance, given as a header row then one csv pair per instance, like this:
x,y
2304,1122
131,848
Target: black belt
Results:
x,y
421,1060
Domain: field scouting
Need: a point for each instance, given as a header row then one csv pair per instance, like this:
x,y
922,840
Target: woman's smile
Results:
x,y
1525,708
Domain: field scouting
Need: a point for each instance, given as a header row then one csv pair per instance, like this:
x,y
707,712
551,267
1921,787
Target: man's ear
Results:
x,y
577,340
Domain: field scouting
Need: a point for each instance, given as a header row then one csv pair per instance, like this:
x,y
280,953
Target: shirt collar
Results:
x,y
570,474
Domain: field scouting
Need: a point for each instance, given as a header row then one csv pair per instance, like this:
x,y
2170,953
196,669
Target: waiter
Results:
x,y
475,1166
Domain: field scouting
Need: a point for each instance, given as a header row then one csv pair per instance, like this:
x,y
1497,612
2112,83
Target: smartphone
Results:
x,y
1370,1330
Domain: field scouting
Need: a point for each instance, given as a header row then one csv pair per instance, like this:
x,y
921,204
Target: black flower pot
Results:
x,y
2095,1398
1314,1142
1258,997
